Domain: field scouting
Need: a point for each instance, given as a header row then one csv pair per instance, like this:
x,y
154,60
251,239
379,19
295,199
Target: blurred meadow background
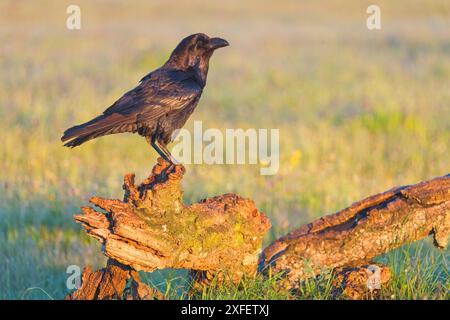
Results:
x,y
359,111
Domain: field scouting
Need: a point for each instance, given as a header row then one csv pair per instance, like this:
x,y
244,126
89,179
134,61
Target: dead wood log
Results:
x,y
153,229
368,228
221,236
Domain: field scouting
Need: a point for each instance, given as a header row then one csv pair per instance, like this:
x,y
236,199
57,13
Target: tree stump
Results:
x,y
153,229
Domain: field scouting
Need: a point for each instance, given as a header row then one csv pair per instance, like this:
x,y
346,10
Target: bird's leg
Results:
x,y
173,161
167,152
155,146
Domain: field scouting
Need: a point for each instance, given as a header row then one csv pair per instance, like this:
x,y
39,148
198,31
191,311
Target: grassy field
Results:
x,y
359,111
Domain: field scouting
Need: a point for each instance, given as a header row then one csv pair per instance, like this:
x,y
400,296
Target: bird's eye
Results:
x,y
201,43
192,47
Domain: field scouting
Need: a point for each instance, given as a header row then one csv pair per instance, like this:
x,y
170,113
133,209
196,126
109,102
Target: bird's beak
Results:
x,y
216,43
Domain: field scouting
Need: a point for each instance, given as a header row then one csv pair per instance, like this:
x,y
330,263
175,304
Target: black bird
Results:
x,y
161,103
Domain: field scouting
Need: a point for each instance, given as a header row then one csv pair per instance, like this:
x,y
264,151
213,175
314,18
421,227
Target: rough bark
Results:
x,y
221,236
153,229
363,282
110,283
368,228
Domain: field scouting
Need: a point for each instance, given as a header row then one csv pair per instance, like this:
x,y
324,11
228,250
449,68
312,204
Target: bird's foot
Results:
x,y
171,168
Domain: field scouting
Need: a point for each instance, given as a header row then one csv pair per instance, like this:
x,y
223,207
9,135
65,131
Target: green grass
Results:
x,y
358,113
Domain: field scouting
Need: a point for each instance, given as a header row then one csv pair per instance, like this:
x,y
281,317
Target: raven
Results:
x,y
161,103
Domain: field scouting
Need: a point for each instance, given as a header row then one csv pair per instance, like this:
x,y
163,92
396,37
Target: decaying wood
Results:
x,y
153,229
368,228
363,282
221,236
110,283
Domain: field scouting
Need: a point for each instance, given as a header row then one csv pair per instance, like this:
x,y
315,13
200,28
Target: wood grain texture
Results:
x,y
153,229
368,228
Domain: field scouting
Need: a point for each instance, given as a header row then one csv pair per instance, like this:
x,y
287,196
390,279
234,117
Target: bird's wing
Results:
x,y
157,95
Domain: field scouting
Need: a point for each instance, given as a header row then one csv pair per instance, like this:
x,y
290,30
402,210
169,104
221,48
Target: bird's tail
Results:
x,y
97,127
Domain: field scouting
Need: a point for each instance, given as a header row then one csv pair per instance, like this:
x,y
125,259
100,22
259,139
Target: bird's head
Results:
x,y
195,51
